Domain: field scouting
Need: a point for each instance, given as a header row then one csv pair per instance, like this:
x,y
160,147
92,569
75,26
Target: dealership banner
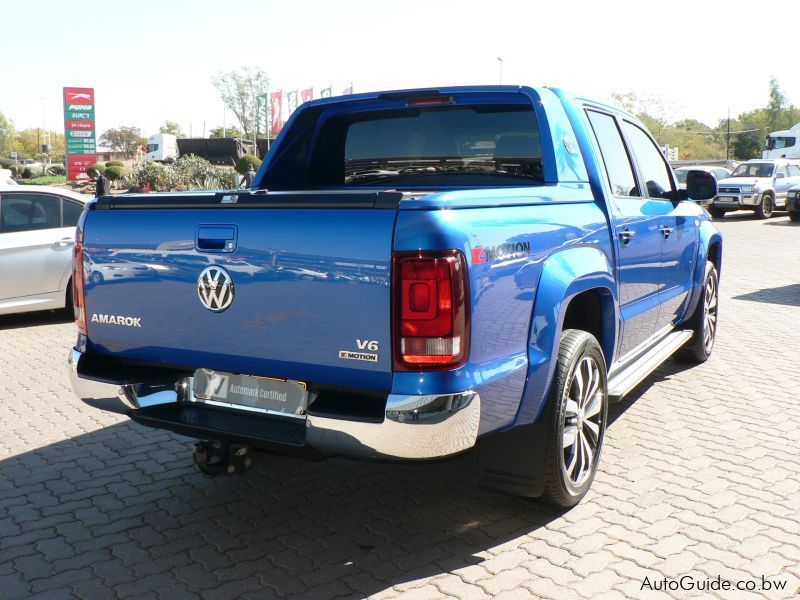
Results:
x,y
326,93
276,104
79,131
291,101
261,114
307,95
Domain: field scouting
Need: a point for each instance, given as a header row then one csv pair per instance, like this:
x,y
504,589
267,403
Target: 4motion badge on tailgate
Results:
x,y
361,355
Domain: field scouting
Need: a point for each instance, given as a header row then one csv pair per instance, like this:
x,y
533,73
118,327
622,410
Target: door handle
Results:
x,y
63,242
626,235
666,231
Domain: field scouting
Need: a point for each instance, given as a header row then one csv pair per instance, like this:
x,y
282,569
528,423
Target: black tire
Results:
x,y
716,212
703,320
765,207
568,474
794,215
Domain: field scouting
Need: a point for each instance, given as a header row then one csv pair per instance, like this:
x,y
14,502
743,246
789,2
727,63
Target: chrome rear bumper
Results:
x,y
414,426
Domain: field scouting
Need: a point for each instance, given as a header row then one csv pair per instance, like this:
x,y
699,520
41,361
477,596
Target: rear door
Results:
x,y
674,222
35,250
309,290
637,236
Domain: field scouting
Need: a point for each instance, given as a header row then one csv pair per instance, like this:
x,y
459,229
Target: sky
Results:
x,y
150,61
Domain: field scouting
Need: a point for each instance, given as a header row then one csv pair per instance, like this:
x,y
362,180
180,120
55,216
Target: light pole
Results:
x,y
500,60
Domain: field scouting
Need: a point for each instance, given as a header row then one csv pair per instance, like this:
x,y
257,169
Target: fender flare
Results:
x,y
709,235
564,275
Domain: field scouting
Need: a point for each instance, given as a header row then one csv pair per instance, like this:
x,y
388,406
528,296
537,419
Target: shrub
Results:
x,y
94,170
187,173
57,170
6,163
25,173
243,163
115,163
45,180
114,173
17,170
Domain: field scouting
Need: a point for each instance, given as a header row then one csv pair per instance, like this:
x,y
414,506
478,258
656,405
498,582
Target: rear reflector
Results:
x,y
431,310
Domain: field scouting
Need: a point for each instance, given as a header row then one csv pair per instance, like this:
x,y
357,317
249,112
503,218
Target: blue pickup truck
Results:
x,y
412,274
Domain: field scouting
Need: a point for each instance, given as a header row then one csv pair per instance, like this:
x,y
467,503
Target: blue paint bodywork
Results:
x,y
310,282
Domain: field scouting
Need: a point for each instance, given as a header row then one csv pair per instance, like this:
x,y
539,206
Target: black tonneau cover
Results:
x,y
255,199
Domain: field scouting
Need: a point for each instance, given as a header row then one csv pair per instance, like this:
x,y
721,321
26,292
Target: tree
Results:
x,y
173,128
217,132
123,139
238,91
6,135
776,107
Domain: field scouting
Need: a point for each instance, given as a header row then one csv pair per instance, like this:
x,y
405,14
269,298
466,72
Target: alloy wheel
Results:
x,y
711,301
583,421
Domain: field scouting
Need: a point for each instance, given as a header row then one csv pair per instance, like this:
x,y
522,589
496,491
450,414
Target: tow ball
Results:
x,y
214,457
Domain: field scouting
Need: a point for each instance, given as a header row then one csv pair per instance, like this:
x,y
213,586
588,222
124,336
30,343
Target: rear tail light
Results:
x,y
431,310
78,284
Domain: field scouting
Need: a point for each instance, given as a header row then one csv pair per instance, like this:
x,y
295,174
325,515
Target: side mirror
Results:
x,y
780,176
700,185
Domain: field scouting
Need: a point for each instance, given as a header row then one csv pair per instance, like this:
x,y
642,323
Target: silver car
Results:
x,y
37,233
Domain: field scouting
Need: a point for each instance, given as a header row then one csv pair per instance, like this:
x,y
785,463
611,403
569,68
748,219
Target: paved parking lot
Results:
x,y
700,477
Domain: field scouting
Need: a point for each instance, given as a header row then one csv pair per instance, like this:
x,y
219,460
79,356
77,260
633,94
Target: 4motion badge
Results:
x,y
361,355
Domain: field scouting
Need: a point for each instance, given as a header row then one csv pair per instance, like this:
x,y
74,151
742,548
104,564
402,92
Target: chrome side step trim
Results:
x,y
624,378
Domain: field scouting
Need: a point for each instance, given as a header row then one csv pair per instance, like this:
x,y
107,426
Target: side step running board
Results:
x,y
623,379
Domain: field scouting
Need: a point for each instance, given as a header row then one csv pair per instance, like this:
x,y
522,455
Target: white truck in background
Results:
x,y
162,147
783,144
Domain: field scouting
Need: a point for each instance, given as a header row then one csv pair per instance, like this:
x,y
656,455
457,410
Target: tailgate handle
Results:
x,y
216,238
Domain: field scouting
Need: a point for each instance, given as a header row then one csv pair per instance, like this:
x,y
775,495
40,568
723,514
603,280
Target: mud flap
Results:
x,y
513,461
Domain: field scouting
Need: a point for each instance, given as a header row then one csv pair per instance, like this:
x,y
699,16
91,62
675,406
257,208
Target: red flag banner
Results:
x,y
276,103
307,95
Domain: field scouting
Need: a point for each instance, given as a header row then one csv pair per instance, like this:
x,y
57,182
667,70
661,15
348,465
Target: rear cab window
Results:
x,y
419,146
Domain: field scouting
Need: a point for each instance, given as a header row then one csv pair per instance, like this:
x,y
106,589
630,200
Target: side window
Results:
x,y
27,212
654,169
618,165
72,212
780,171
794,171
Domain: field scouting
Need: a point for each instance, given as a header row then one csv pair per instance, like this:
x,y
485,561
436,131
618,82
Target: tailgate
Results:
x,y
310,298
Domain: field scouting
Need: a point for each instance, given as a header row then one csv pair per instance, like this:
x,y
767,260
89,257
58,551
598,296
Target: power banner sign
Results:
x,y
79,131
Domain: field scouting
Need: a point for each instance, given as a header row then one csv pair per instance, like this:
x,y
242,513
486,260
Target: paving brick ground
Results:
x,y
700,477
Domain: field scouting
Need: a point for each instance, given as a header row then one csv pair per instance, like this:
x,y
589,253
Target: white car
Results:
x,y
37,233
5,177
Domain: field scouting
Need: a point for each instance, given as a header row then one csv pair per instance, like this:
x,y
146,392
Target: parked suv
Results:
x,y
758,185
793,203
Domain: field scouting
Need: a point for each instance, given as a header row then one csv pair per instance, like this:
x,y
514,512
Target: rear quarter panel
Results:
x,y
506,346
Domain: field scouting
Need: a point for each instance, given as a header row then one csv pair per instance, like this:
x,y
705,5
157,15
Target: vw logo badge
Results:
x,y
215,288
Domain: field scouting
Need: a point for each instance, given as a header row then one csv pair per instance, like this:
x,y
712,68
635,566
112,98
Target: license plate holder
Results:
x,y
248,392
730,199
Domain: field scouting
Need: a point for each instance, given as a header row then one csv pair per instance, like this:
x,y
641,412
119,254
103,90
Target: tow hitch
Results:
x,y
214,457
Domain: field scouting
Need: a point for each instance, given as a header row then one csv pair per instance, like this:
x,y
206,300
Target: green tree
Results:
x,y
123,139
173,128
7,135
238,91
217,132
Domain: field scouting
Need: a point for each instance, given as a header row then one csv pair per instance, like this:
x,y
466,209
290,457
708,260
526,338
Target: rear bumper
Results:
x,y
413,427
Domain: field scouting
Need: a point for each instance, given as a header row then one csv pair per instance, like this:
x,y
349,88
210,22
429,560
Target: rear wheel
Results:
x,y
579,395
716,212
703,322
794,215
765,207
